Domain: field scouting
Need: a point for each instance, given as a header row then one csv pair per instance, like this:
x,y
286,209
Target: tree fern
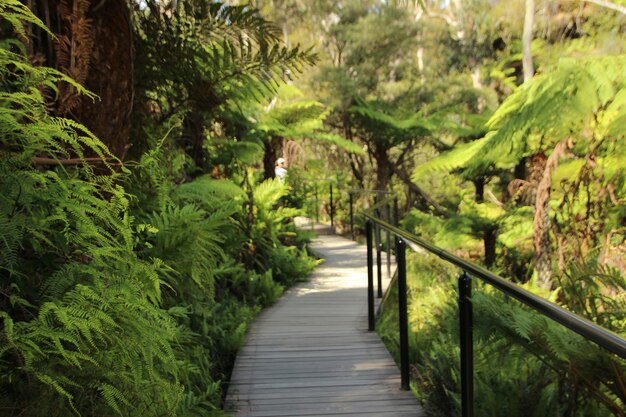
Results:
x,y
559,104
208,192
451,160
389,127
241,48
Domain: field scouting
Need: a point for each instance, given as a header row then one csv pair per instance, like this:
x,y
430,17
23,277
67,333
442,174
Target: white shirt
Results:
x,y
280,172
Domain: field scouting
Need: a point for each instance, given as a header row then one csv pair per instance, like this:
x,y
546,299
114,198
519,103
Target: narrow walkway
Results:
x,y
311,354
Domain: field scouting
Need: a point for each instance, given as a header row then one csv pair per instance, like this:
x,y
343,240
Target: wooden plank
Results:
x,y
333,411
311,354
339,399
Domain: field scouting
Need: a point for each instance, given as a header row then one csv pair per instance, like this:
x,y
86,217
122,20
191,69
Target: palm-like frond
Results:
x,y
208,192
451,160
388,128
579,98
339,141
219,52
269,192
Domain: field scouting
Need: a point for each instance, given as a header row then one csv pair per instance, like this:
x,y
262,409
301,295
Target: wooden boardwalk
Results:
x,y
311,354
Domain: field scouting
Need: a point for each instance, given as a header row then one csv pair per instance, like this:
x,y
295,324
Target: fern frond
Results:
x,y
451,160
206,189
16,13
269,192
555,106
113,397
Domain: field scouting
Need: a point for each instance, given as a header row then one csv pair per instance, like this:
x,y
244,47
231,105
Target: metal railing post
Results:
x,y
317,206
396,216
467,346
388,243
379,262
332,211
403,321
351,215
370,277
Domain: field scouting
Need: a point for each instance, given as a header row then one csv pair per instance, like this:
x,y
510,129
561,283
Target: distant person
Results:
x,y
280,170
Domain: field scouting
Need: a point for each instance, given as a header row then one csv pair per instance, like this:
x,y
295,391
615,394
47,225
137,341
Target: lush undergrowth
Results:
x,y
124,290
525,365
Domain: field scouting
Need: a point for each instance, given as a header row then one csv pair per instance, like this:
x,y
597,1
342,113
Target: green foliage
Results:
x,y
386,130
293,120
184,230
449,161
271,226
339,142
596,292
210,36
582,99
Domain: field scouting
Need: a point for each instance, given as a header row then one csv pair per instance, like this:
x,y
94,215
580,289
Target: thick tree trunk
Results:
x,y
94,46
110,77
193,138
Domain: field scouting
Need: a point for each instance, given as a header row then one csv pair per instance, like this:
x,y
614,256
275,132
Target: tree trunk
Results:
x,y
383,169
273,149
193,138
541,224
541,238
520,169
489,242
110,77
479,186
609,4
527,38
356,164
424,197
94,46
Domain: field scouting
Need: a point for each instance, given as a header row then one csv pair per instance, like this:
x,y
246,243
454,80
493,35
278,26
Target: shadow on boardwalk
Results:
x,y
311,354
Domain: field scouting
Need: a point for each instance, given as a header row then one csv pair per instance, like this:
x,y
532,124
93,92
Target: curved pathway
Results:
x,y
311,354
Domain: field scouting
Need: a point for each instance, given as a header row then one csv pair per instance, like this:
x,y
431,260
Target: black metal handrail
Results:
x,y
580,325
587,329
